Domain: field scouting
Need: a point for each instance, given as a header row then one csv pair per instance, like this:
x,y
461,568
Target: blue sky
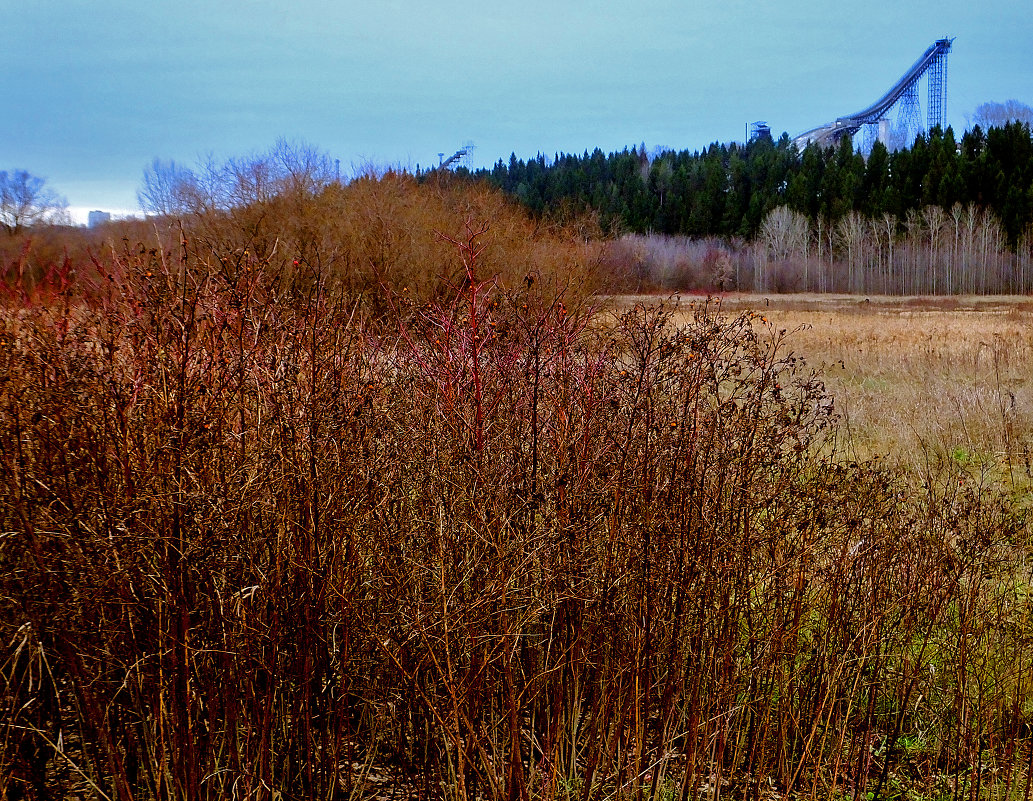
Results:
x,y
96,90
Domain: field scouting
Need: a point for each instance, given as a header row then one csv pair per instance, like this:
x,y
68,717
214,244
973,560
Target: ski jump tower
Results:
x,y
902,96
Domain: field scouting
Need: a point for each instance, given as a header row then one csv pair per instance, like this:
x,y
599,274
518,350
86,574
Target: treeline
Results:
x,y
932,251
727,190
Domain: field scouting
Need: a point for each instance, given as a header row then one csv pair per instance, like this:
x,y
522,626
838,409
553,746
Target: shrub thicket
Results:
x,y
371,234
257,541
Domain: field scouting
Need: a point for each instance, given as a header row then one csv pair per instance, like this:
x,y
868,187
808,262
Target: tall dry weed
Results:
x,y
262,539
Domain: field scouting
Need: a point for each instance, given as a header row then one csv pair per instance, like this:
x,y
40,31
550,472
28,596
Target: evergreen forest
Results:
x,y
727,190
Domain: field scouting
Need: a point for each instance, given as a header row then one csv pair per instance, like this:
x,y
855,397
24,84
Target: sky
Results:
x,y
94,91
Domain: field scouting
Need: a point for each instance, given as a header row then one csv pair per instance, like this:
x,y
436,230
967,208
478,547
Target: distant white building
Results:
x,y
95,218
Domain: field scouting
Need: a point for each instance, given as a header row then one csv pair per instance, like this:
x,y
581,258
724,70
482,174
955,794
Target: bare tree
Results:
x,y
935,222
251,179
888,226
26,200
970,223
997,115
289,167
913,241
850,231
167,189
302,167
953,284
1024,256
785,233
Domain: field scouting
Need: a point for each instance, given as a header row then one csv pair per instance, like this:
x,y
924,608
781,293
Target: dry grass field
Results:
x,y
921,381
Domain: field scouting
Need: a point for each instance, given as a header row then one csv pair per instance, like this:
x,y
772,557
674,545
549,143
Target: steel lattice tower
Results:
x,y
937,109
909,115
871,136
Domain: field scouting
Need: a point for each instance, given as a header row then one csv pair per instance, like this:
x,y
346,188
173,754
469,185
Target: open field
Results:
x,y
923,381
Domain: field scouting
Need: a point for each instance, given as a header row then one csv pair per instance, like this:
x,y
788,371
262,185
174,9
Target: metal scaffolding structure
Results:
x,y
937,107
909,115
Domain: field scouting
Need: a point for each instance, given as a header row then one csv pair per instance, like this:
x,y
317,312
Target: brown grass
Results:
x,y
922,381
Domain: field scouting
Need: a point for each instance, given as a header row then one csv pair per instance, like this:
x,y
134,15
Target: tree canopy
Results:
x,y
728,189
26,200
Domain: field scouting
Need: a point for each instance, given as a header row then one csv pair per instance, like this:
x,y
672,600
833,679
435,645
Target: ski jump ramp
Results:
x,y
904,94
